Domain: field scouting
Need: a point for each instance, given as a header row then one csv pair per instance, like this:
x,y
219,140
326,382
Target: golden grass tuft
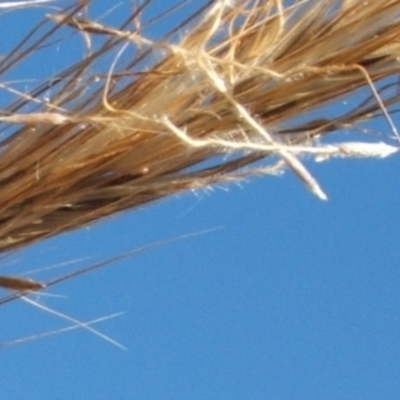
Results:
x,y
236,82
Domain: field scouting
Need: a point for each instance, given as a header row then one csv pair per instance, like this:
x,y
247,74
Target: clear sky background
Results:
x,y
294,298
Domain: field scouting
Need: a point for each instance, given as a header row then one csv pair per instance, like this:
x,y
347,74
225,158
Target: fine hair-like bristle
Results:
x,y
234,83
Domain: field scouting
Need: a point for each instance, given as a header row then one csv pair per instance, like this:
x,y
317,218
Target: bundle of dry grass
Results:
x,y
237,88
237,85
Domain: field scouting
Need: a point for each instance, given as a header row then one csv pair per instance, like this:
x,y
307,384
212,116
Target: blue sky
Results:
x,y
294,298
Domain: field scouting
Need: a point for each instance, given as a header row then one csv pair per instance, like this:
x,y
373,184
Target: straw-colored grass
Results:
x,y
237,82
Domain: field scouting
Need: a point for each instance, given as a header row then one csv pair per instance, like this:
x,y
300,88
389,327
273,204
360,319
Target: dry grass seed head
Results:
x,y
240,72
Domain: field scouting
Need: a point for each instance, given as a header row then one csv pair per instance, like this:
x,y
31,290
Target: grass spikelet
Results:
x,y
234,83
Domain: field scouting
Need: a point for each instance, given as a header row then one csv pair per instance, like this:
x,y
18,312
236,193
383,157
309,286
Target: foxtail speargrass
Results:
x,y
235,89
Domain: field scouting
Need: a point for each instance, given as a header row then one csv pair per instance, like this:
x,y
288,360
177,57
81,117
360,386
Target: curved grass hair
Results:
x,y
235,89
